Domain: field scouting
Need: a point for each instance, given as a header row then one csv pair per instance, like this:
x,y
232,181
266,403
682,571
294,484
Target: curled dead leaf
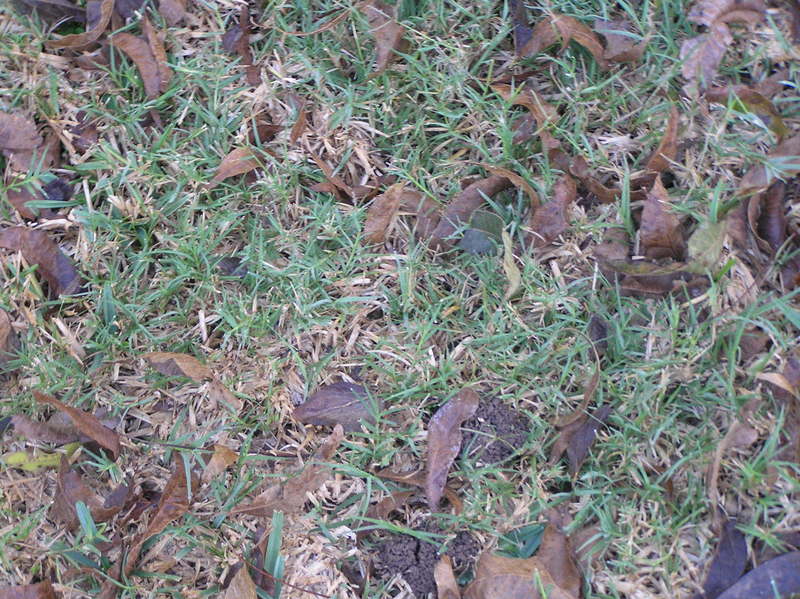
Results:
x,y
783,161
446,585
382,212
746,99
555,27
339,403
174,364
78,40
444,441
388,33
622,45
702,55
37,248
236,162
148,55
660,231
708,12
552,219
222,457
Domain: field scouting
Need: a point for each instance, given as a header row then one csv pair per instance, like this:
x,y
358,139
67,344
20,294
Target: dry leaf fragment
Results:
x,y
621,44
728,563
777,578
37,248
552,219
513,274
86,423
149,56
78,40
459,211
51,11
222,457
660,231
40,590
9,341
522,30
241,586
742,97
518,181
20,142
71,489
237,162
444,441
237,41
703,54
43,432
339,403
382,212
446,585
388,33
173,364
290,496
173,11
708,12
555,27
664,155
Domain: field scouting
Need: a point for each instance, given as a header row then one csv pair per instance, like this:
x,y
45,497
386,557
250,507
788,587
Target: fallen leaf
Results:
x,y
290,496
70,489
556,556
660,231
580,412
418,478
444,441
173,11
709,12
127,9
52,265
513,274
555,27
783,161
237,41
426,211
149,56
518,181
770,228
579,168
9,342
702,55
339,403
742,98
241,586
777,578
51,11
740,434
43,432
459,211
40,590
728,563
661,160
598,333
220,460
388,33
87,424
172,364
794,11
446,585
621,44
706,243
382,212
20,142
552,219
237,162
577,437
36,461
78,40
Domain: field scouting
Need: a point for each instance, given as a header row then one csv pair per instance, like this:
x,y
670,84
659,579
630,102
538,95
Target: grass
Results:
x,y
318,303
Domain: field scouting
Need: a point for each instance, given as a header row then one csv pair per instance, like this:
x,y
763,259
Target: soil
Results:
x,y
494,433
415,559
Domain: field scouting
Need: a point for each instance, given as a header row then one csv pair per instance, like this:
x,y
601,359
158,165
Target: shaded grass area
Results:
x,y
317,303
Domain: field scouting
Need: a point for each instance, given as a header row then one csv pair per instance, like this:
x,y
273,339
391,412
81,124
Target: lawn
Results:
x,y
268,278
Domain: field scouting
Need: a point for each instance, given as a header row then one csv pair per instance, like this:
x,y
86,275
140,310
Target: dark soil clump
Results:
x,y
495,432
415,559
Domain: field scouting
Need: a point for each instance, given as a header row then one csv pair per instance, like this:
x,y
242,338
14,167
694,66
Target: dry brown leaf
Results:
x,y
754,101
78,40
382,212
173,11
149,56
779,577
619,46
728,563
740,434
703,54
388,33
709,12
552,219
444,441
86,423
459,211
237,41
40,590
241,586
159,53
522,30
71,489
237,162
518,181
52,265
588,395
51,11
43,432
557,557
339,403
577,437
446,585
19,140
220,460
664,155
555,27
786,156
290,496
172,364
660,231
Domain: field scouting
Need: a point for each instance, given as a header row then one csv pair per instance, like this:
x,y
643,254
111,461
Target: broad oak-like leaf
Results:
x,y
444,441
